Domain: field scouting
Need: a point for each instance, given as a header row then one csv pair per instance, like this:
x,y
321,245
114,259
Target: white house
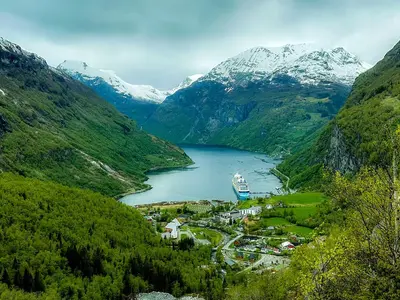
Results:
x,y
254,210
287,246
173,228
269,206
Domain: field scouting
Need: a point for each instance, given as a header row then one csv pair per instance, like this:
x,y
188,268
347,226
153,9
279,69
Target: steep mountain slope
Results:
x,y
362,132
136,101
265,99
53,127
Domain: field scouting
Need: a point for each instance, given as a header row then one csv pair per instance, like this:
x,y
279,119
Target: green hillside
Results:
x,y
363,131
65,243
54,128
276,117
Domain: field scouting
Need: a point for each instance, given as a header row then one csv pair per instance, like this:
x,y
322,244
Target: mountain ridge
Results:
x,y
52,127
146,93
308,63
261,99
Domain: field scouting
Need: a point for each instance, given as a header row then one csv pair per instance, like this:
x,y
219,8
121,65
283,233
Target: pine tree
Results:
x,y
38,285
27,281
18,279
5,278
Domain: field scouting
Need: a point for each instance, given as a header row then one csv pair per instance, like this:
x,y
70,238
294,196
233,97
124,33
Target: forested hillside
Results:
x,y
53,127
64,243
363,131
276,116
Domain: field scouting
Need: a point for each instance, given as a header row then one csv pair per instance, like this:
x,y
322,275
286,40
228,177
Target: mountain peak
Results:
x,y
187,82
10,47
83,72
308,63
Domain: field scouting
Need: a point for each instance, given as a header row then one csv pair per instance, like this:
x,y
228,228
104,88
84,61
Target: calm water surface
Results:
x,y
210,177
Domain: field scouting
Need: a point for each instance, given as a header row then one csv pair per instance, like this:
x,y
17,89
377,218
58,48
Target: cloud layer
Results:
x,y
160,42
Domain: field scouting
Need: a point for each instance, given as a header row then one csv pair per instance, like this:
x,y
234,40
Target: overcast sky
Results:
x,y
160,42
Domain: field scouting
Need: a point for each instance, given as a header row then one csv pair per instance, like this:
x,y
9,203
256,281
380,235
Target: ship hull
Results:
x,y
241,195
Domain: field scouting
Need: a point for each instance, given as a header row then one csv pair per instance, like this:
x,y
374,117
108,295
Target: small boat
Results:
x,y
240,187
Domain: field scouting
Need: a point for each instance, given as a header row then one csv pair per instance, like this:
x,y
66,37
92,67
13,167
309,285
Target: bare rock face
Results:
x,y
339,156
4,125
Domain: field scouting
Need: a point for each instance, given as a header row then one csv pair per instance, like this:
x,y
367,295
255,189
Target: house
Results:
x,y
271,228
173,228
254,210
230,262
252,256
149,219
239,255
235,215
287,246
269,206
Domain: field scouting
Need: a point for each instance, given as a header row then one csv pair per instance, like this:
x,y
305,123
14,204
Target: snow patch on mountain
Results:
x,y
81,71
187,82
139,92
8,46
308,63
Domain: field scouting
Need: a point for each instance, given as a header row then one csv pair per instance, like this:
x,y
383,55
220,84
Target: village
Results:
x,y
252,235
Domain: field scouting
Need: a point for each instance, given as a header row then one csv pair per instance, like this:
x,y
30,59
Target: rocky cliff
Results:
x,y
363,133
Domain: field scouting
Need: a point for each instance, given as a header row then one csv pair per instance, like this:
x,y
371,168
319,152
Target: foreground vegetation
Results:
x,y
357,259
58,242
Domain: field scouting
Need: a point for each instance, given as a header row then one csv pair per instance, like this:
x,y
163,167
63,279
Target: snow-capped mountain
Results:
x,y
307,63
92,77
83,72
187,82
10,47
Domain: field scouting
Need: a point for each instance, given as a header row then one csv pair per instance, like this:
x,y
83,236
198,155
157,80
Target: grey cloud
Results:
x,y
161,42
172,19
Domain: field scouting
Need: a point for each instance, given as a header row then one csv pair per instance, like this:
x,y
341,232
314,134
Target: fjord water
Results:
x,y
210,178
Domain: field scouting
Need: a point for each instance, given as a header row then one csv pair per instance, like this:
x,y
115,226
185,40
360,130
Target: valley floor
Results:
x,y
253,235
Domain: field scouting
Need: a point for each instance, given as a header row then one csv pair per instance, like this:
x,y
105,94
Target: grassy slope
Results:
x,y
367,121
49,119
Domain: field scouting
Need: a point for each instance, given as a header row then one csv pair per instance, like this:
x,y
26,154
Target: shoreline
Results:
x,y
179,203
148,187
272,171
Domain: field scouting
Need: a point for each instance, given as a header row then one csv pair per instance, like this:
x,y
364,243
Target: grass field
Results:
x,y
298,230
303,205
301,213
208,234
251,202
299,199
275,222
199,208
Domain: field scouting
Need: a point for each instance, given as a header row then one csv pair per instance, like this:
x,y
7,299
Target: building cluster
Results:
x,y
237,214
